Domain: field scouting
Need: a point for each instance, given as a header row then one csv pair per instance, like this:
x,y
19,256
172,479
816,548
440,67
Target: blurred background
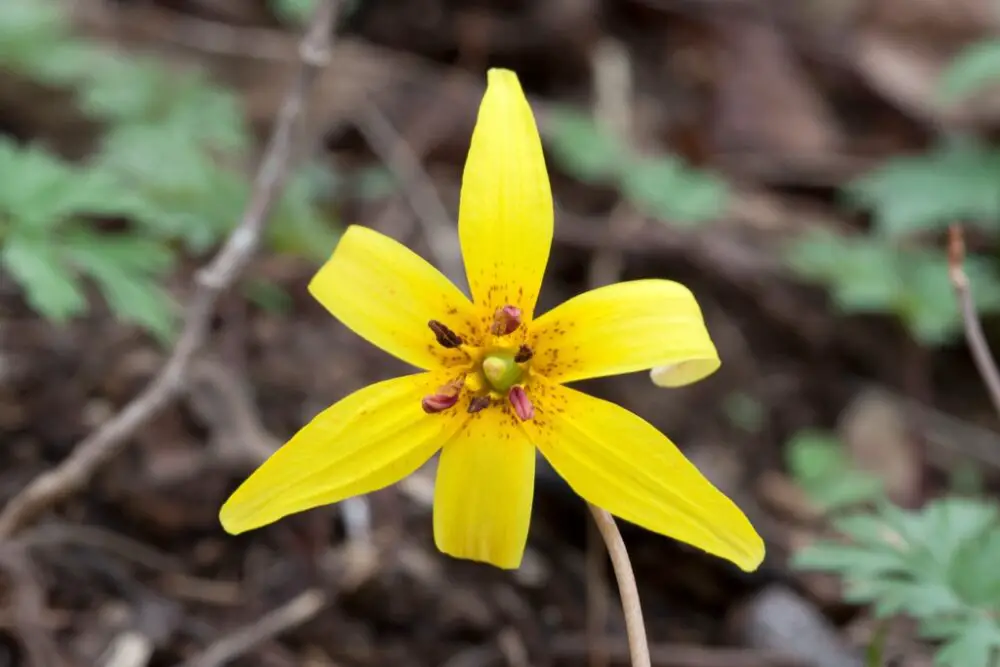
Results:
x,y
795,163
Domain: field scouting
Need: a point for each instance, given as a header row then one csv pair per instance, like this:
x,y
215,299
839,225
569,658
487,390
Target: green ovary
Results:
x,y
501,371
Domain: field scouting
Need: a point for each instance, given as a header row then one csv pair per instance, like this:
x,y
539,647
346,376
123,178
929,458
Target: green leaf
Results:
x,y
975,646
973,69
125,270
862,275
40,191
920,599
585,150
955,181
124,89
294,12
180,192
64,62
815,455
852,489
972,570
854,560
819,463
207,114
27,29
666,189
49,283
866,529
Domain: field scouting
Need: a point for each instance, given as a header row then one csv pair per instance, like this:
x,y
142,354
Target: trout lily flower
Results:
x,y
491,388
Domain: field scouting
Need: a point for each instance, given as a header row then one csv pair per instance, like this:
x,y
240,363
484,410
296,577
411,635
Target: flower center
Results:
x,y
501,370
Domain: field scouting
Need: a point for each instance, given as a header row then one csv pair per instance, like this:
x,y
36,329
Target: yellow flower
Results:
x,y
492,388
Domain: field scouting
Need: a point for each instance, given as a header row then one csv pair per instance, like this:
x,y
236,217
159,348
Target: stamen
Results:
x,y
478,404
522,404
506,320
524,353
446,397
438,402
445,337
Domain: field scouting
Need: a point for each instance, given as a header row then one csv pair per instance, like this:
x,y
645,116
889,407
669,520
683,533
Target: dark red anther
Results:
x,y
445,336
524,353
506,320
522,404
478,404
439,402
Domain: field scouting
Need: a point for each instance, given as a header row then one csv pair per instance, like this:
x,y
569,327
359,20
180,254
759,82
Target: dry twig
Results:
x,y
212,281
638,647
293,613
974,335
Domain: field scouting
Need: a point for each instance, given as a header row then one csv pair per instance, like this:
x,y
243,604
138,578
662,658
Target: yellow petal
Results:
x,y
505,209
387,294
485,484
623,328
617,461
367,441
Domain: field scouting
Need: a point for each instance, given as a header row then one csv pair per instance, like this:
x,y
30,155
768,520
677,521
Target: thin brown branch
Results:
x,y
300,609
102,445
638,647
974,335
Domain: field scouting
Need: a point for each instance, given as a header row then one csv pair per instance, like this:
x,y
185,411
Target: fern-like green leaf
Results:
x,y
126,270
49,285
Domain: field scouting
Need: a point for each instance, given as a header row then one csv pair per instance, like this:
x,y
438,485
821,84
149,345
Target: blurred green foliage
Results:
x,y
869,274
887,270
936,565
976,67
820,464
662,186
170,168
955,180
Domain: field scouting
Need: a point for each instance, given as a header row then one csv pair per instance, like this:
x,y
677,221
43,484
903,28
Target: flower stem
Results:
x,y
637,646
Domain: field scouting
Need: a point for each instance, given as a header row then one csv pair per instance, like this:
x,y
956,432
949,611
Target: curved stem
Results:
x,y
638,648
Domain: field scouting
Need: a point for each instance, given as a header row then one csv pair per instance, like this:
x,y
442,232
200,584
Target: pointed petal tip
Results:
x,y
752,556
230,520
502,75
